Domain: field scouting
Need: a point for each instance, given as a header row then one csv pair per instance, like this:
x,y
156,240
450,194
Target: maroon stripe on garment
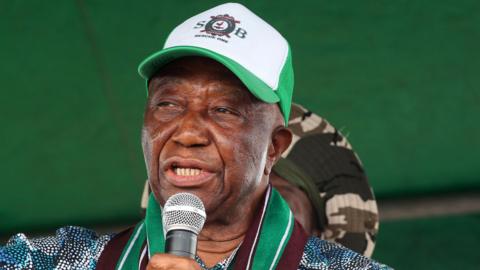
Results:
x,y
113,250
241,259
293,252
144,262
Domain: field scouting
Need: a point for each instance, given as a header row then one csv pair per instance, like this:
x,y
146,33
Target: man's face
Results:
x,y
206,134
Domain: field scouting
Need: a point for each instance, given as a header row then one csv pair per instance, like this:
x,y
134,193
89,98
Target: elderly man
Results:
x,y
219,97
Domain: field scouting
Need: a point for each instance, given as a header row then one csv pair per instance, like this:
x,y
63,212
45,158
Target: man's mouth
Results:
x,y
187,172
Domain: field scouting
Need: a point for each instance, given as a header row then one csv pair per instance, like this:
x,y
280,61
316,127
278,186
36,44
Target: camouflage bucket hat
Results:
x,y
321,162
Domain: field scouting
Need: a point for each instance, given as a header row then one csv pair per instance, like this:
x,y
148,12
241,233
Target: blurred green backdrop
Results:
x,y
402,78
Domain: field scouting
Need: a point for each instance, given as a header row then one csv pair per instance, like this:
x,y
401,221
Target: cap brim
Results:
x,y
257,87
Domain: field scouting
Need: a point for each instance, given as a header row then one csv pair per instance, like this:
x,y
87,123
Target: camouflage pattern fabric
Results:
x,y
348,211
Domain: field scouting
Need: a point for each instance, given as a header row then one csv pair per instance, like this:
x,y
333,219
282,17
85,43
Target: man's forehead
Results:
x,y
199,69
195,65
171,84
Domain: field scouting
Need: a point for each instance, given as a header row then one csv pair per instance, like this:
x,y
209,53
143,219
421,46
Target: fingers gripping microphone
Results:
x,y
183,219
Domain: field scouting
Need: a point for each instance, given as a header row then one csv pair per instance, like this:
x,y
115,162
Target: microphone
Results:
x,y
183,219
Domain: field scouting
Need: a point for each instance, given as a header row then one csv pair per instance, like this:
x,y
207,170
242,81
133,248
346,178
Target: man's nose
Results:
x,y
191,131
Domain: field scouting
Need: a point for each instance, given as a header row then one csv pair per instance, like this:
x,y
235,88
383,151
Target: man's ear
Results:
x,y
281,139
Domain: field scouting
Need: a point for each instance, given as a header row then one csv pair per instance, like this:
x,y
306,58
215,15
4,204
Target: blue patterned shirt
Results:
x,y
76,248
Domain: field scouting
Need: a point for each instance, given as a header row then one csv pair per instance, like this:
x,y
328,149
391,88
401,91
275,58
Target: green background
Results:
x,y
401,78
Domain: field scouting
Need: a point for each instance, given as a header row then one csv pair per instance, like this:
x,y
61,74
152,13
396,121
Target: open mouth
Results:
x,y
187,173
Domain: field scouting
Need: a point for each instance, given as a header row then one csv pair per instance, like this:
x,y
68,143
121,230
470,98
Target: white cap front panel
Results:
x,y
237,33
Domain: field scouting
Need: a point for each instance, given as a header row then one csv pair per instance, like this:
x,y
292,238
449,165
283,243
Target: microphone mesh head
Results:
x,y
184,211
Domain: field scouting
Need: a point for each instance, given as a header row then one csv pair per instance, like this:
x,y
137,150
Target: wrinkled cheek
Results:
x,y
259,163
151,151
254,157
147,150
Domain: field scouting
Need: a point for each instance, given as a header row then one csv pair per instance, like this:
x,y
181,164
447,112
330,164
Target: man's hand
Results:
x,y
171,262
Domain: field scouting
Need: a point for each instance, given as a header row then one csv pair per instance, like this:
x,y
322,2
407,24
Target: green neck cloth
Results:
x,y
270,233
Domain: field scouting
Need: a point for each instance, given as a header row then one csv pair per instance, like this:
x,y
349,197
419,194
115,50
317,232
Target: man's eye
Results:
x,y
165,104
224,110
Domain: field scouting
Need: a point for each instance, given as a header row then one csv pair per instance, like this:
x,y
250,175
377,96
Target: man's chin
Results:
x,y
204,192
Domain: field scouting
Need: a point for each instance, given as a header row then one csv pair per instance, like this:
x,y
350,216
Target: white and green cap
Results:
x,y
240,40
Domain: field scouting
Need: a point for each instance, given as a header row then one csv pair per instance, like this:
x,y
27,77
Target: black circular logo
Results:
x,y
221,25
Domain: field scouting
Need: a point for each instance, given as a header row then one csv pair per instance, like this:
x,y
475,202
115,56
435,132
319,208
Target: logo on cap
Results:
x,y
221,26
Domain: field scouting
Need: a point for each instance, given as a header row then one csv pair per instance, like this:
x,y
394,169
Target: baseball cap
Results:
x,y
240,40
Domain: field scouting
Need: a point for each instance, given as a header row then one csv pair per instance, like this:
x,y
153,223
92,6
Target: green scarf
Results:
x,y
272,234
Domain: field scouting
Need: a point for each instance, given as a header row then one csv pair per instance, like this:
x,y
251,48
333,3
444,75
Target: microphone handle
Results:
x,y
181,243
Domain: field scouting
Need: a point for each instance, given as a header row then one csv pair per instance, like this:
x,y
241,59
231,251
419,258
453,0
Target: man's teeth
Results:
x,y
187,171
